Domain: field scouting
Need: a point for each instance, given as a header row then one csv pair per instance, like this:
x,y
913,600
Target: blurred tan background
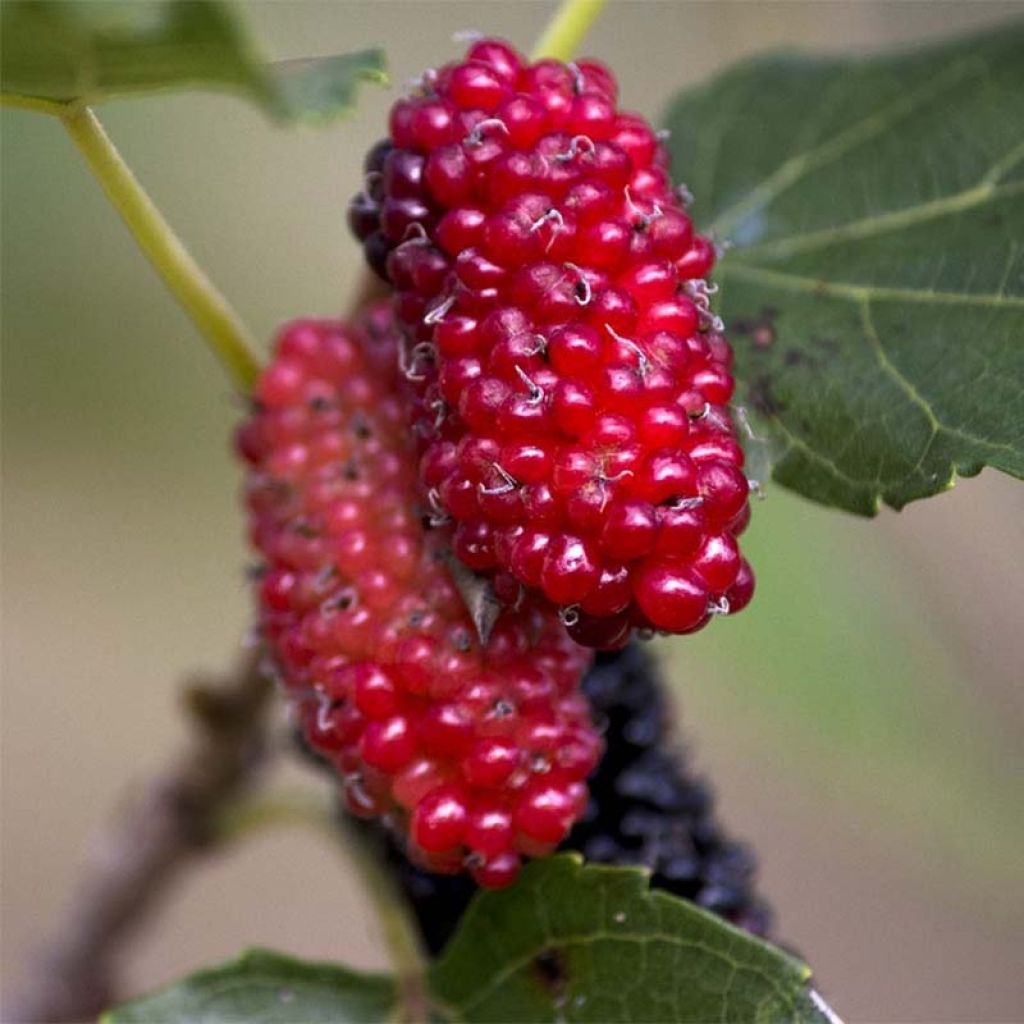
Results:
x,y
862,721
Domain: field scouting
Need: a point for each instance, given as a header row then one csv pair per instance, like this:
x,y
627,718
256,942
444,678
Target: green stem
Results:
x,y
567,28
220,326
272,811
400,935
41,106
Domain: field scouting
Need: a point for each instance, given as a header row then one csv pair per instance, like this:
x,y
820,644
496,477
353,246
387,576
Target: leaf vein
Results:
x,y
858,292
797,166
959,202
1005,163
871,333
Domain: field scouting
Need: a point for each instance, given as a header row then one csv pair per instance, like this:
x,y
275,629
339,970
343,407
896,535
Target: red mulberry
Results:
x,y
573,386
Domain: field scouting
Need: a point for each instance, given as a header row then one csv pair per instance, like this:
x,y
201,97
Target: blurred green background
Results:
x,y
862,720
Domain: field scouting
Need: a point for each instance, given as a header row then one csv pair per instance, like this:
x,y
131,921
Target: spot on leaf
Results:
x,y
551,970
763,397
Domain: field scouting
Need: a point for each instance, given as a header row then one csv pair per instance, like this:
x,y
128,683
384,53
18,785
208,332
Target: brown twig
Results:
x,y
173,819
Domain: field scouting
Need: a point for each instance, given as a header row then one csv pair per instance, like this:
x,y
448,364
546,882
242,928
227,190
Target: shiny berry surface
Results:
x,y
569,377
476,754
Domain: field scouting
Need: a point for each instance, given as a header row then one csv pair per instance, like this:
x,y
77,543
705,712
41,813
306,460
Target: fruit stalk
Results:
x,y
218,323
398,930
567,28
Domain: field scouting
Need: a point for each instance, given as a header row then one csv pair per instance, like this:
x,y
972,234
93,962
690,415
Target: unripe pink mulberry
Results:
x,y
449,739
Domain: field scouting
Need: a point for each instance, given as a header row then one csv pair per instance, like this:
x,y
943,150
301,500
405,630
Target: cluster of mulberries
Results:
x,y
572,385
544,403
645,809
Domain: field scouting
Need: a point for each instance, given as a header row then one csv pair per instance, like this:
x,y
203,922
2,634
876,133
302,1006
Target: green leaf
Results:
x,y
58,51
575,943
318,89
265,988
875,288
566,943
